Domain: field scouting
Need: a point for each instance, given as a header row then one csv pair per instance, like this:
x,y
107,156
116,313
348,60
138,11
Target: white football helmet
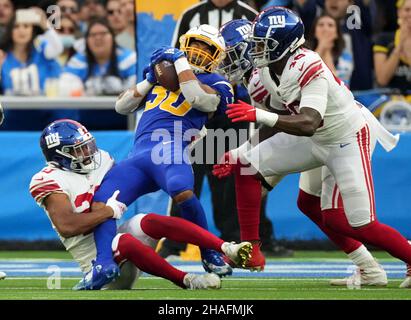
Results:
x,y
203,60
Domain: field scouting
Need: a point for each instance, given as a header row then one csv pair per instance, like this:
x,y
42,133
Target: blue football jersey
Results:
x,y
126,62
18,78
167,110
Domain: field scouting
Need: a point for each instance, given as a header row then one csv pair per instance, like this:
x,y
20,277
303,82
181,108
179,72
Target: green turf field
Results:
x,y
250,287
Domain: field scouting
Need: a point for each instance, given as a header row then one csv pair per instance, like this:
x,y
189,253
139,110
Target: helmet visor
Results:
x,y
85,156
235,63
261,50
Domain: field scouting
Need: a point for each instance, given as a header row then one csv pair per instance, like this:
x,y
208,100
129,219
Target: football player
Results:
x,y
237,67
159,158
65,189
324,126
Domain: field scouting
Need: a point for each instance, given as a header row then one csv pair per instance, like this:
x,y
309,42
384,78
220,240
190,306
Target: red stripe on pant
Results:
x,y
363,140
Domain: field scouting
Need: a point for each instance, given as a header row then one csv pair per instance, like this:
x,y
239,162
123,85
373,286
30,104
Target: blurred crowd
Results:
x,y
88,51
91,50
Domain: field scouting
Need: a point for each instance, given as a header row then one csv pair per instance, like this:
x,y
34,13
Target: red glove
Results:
x,y
225,166
241,111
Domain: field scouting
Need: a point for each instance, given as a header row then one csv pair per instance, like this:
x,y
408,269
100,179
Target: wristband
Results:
x,y
144,87
181,65
267,118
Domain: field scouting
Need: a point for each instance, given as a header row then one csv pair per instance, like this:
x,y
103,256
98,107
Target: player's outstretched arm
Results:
x,y
70,224
130,100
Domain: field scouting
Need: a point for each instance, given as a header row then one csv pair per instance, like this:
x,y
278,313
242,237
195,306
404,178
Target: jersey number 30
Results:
x,y
172,102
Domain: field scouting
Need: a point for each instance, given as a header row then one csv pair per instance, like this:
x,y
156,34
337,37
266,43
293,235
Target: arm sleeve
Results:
x,y
314,95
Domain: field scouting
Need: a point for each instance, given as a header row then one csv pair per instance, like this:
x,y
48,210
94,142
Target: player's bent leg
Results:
x,y
192,210
146,259
351,168
180,230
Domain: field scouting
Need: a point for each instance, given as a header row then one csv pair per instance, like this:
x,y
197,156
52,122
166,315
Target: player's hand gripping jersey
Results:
x,y
80,190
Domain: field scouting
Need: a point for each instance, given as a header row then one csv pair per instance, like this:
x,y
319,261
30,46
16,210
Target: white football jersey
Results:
x,y
341,116
80,189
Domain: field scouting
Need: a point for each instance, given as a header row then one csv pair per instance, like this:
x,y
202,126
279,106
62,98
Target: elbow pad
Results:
x,y
198,98
128,103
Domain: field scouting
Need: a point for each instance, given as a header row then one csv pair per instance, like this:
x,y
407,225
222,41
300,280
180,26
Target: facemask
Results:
x,y
67,40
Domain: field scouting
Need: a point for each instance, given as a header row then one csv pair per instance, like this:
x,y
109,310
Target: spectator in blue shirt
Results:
x,y
102,69
29,50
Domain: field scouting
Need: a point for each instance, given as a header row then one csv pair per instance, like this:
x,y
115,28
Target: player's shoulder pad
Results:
x,y
217,82
44,182
304,66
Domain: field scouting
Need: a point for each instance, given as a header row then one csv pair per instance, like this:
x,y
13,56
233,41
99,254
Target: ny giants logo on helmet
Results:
x,y
52,140
244,31
277,21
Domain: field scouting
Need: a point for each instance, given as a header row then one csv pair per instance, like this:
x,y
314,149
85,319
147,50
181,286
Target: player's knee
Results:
x,y
126,243
183,196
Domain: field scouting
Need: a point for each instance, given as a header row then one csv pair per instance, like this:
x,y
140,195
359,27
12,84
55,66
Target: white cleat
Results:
x,y
203,281
407,281
373,276
239,253
2,275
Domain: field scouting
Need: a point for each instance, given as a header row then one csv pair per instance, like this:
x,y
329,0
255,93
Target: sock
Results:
x,y
147,260
376,234
192,210
248,198
104,234
310,205
179,230
362,258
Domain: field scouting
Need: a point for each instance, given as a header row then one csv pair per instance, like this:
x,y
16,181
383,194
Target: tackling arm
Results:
x,y
70,224
312,108
67,222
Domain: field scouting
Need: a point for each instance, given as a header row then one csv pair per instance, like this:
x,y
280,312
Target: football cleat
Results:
x,y
203,281
257,261
213,262
372,276
407,281
98,276
238,253
2,275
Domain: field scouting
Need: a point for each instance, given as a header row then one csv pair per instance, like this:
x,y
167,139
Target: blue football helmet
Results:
x,y
68,145
237,62
276,31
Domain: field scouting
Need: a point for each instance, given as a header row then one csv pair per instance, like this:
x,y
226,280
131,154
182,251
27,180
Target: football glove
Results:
x,y
225,167
118,207
149,75
166,53
241,111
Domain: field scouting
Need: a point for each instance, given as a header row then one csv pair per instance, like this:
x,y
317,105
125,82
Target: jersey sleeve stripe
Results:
x,y
41,184
260,97
51,187
312,65
261,88
314,71
45,194
378,48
